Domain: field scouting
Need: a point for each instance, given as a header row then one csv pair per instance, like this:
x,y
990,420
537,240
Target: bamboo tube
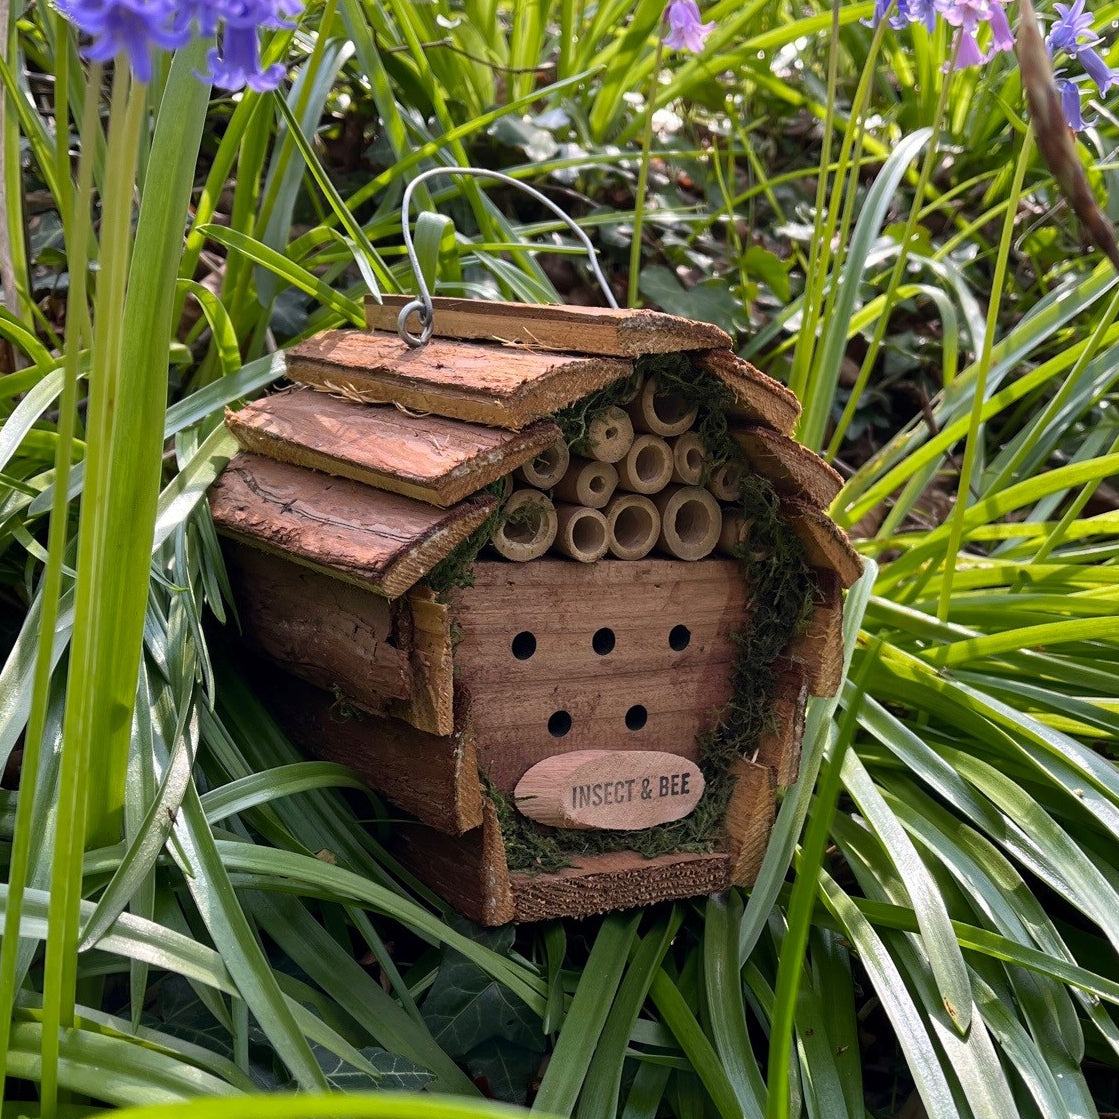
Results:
x,y
588,483
647,467
688,455
582,533
547,468
634,525
691,522
609,435
726,481
631,394
528,528
736,528
662,413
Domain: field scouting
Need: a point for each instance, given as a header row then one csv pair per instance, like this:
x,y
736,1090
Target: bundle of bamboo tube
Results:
x,y
642,484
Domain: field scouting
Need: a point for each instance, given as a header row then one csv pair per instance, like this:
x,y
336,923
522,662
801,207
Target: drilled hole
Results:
x,y
523,645
670,407
611,433
648,462
559,724
597,484
603,641
679,637
636,717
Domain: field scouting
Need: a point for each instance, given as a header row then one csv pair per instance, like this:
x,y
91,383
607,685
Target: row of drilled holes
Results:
x,y
523,644
560,721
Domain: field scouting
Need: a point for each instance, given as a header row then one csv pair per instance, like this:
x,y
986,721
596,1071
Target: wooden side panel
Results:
x,y
390,659
759,399
378,540
820,648
429,458
825,544
624,656
588,330
435,778
506,386
792,468
617,881
749,820
470,871
331,633
779,750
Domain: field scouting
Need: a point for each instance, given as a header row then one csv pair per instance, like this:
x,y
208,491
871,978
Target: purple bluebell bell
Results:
x,y
236,61
1074,37
967,15
134,28
686,32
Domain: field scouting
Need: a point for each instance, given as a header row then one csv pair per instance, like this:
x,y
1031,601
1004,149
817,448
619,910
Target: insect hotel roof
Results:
x,y
383,464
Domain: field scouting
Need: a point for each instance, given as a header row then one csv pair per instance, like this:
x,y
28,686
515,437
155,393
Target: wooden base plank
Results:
x,y
825,544
432,777
375,539
497,385
758,398
588,330
791,468
428,458
616,655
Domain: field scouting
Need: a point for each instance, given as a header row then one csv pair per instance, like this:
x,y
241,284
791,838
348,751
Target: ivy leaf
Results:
x,y
506,1069
709,301
395,1071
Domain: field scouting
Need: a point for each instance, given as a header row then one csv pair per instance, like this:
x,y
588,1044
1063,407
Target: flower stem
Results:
x,y
643,179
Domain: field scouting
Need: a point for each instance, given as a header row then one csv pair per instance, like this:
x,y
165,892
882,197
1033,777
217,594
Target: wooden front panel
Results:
x,y
560,657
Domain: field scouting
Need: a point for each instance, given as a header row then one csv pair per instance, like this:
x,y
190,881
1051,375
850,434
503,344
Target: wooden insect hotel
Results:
x,y
557,584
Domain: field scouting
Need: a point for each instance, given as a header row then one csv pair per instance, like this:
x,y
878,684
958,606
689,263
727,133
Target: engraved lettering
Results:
x,y
596,793
663,785
608,793
684,779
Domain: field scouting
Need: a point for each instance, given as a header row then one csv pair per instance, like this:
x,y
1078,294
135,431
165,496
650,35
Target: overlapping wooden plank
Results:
x,y
588,330
758,398
778,747
819,648
749,820
825,543
791,467
505,386
429,458
374,539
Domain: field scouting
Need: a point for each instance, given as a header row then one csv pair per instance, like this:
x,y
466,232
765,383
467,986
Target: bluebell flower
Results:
x,y
967,15
1073,36
685,30
134,28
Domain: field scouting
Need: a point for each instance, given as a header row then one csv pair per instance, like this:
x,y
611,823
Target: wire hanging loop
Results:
x,y
423,306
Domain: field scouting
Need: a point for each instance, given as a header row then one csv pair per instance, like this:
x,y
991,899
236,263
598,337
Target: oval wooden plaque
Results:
x,y
614,790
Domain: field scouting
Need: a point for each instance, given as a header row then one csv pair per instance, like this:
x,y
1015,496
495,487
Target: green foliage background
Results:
x,y
934,924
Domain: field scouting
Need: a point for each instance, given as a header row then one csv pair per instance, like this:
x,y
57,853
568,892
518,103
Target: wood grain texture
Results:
x,y
589,330
564,606
385,658
375,539
490,384
791,468
610,790
432,777
429,458
820,647
331,633
779,749
470,871
758,398
616,881
749,820
825,544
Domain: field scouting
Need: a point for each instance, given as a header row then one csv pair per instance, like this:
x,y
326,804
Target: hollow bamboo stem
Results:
x,y
691,522
647,467
688,455
634,524
732,538
609,435
726,481
547,468
661,413
528,528
588,483
583,534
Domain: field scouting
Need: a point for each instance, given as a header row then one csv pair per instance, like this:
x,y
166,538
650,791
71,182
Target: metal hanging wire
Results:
x,y
423,305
